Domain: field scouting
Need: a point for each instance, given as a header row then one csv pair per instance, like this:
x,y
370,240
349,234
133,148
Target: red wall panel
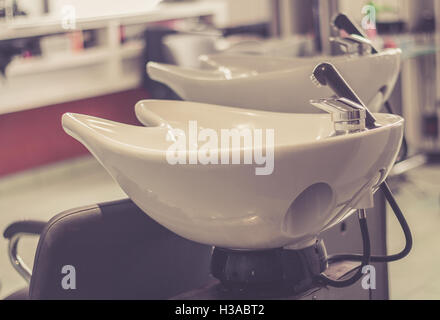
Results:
x,y
35,137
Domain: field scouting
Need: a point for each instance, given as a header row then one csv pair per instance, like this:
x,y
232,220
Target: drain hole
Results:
x,y
309,211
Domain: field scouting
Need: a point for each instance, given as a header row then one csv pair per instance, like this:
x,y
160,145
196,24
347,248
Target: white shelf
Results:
x,y
21,66
111,67
26,27
63,91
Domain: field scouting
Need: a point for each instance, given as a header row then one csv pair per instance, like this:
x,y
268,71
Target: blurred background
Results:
x,y
60,56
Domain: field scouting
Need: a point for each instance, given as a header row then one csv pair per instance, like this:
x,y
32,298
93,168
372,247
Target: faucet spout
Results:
x,y
347,116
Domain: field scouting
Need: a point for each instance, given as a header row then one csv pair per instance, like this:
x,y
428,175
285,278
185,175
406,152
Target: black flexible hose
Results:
x,y
404,149
365,258
406,230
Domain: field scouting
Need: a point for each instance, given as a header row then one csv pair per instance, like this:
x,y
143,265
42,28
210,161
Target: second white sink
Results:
x,y
278,84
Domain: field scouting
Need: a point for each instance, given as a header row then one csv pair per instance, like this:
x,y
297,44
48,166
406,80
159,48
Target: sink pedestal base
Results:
x,y
270,273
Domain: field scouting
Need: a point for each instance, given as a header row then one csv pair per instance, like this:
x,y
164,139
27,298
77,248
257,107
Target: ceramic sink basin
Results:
x,y
184,49
278,84
316,180
292,46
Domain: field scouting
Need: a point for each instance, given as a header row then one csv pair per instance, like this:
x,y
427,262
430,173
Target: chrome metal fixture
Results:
x,y
354,44
347,116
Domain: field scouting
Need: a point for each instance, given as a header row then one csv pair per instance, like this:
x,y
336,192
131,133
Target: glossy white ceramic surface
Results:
x,y
292,46
278,84
184,49
316,182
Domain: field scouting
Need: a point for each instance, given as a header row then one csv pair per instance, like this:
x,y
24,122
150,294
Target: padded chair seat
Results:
x,y
22,294
118,252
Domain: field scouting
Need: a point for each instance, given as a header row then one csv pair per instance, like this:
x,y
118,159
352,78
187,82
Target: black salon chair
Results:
x,y
117,252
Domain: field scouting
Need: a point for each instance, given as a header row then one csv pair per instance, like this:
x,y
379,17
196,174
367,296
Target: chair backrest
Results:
x,y
117,252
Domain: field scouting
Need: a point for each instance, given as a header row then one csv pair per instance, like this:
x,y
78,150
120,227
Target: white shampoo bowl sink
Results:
x,y
317,180
278,84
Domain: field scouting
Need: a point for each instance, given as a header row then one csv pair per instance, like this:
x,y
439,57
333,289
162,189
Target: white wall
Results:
x,y
31,7
88,8
407,10
234,12
239,12
353,8
99,8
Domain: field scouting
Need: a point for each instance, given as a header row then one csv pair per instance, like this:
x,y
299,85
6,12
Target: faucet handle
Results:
x,y
354,44
347,116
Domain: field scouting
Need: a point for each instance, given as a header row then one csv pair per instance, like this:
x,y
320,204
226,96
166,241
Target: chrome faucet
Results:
x,y
343,22
349,113
354,44
347,116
